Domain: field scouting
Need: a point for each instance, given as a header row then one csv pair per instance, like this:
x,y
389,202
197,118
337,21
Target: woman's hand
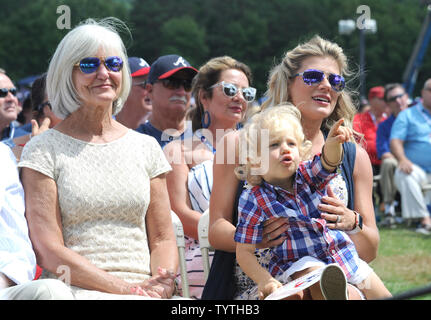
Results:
x,y
337,215
272,229
161,285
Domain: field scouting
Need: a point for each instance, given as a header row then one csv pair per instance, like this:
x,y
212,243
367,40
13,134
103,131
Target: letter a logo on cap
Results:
x,y
179,61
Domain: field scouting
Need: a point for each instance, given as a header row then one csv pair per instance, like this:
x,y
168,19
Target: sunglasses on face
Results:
x,y
314,76
394,98
230,90
4,92
91,64
175,83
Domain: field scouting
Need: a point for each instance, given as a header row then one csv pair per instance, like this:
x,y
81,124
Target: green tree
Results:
x,y
30,35
183,36
253,31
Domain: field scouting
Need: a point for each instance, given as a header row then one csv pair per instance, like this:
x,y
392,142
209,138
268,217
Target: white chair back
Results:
x,y
204,243
179,234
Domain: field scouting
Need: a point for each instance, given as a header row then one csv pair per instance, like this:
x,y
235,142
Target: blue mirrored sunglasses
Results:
x,y
314,76
91,64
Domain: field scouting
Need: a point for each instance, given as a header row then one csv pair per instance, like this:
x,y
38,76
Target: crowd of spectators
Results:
x,y
106,146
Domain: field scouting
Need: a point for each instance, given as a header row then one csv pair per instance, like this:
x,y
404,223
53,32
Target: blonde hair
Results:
x,y
81,42
274,119
280,78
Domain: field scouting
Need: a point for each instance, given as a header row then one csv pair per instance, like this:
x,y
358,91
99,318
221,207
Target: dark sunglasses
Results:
x,y
175,83
314,76
4,92
394,98
230,90
91,64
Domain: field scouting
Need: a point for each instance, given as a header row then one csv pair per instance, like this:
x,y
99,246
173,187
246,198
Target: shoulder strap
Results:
x,y
347,170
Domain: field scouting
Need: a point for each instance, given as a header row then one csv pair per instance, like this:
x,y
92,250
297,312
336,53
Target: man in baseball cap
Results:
x,y
169,86
137,108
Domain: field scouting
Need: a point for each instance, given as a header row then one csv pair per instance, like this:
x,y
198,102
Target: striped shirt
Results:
x,y
199,185
308,234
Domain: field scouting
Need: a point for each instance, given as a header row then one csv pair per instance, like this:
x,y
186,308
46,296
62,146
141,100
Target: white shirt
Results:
x,y
17,258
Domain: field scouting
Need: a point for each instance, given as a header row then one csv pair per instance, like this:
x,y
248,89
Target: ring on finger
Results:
x,y
338,219
268,237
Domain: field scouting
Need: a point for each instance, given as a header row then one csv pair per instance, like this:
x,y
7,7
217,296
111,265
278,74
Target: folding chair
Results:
x,y
426,187
376,186
204,243
179,234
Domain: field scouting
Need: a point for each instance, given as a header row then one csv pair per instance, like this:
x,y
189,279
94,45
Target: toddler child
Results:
x,y
292,187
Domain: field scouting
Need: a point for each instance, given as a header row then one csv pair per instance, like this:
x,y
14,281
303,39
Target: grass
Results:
x,y
404,260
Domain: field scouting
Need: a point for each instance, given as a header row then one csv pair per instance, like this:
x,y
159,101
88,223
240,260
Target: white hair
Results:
x,y
84,41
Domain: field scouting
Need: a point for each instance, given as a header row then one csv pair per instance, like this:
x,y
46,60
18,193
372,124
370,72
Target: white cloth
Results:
x,y
47,289
17,259
413,201
363,272
103,194
97,295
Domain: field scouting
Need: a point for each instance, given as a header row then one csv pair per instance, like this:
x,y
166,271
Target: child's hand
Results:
x,y
35,129
266,288
338,133
332,151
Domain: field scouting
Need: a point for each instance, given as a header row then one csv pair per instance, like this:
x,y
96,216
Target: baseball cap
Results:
x,y
165,66
138,67
378,92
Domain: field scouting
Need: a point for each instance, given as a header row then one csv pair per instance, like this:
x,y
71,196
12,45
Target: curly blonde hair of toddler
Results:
x,y
262,128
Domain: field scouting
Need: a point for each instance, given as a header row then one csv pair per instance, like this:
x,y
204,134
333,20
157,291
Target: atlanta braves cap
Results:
x,y
165,66
138,67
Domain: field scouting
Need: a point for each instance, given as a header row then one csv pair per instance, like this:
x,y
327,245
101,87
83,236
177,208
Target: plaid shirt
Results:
x,y
307,234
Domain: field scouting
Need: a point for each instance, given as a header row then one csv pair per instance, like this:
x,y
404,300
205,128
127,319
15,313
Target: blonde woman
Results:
x,y
310,76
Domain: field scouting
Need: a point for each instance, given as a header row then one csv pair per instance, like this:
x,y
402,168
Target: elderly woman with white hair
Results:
x,y
95,191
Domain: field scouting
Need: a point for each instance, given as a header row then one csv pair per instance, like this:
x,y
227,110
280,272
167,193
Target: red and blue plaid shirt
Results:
x,y
307,234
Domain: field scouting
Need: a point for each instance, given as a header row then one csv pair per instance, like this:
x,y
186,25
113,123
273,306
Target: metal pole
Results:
x,y
412,293
362,63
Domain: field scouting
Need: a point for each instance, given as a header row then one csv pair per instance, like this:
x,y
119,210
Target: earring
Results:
x,y
206,124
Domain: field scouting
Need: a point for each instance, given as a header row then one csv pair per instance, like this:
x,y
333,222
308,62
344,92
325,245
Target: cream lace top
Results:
x,y
103,193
